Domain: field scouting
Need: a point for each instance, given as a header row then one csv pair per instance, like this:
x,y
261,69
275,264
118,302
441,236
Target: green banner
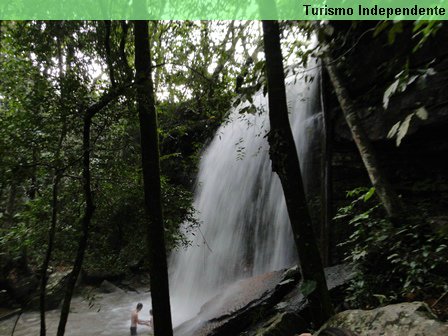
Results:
x,y
223,9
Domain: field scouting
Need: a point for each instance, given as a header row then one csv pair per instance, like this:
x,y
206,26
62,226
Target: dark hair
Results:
x,y
150,311
336,332
139,306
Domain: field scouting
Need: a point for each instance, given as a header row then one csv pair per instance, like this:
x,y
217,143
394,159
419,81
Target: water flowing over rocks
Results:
x,y
268,304
91,314
245,230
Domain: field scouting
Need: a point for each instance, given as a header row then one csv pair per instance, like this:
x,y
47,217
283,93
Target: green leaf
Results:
x,y
441,248
397,27
369,194
382,26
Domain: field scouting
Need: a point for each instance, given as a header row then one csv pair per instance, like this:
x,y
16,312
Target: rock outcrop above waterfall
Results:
x,y
416,168
367,76
403,319
269,304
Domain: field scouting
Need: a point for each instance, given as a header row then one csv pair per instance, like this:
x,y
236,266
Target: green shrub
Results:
x,y
404,260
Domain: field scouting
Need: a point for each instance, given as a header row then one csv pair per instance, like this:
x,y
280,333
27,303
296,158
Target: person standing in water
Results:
x,y
135,320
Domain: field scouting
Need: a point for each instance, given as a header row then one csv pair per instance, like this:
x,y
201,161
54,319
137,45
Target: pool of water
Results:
x,y
107,314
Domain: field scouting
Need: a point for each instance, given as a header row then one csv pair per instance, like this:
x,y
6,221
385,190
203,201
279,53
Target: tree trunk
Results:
x,y
389,199
110,67
151,181
57,176
51,235
33,185
326,181
89,209
285,163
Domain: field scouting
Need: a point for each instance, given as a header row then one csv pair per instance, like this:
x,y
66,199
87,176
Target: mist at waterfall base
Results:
x,y
245,229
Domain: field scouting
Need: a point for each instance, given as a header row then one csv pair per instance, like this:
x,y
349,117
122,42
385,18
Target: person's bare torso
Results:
x,y
134,318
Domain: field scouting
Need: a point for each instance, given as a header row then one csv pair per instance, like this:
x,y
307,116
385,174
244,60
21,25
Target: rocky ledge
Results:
x,y
271,305
402,319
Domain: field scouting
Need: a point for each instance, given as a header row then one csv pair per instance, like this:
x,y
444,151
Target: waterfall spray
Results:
x,y
245,230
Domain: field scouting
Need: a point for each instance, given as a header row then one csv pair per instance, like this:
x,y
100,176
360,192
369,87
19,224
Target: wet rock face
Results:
x,y
370,65
291,315
107,287
240,305
96,277
417,168
266,305
403,319
54,291
272,305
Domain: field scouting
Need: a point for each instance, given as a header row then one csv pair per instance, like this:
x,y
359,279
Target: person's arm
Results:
x,y
146,322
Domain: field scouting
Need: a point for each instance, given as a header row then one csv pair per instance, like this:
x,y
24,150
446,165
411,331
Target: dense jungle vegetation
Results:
x,y
72,95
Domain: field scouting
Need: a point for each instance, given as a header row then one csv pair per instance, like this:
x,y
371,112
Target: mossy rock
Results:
x,y
403,319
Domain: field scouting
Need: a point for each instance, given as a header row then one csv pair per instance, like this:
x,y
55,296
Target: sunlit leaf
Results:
x,y
393,131
369,194
389,92
422,113
403,129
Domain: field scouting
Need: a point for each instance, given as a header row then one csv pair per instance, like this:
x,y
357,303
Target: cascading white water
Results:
x,y
245,229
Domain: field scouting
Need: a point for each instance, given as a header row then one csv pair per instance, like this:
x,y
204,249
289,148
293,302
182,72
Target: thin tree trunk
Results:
x,y
326,182
51,235
389,199
11,204
285,163
122,52
57,175
1,33
89,209
33,188
151,180
108,27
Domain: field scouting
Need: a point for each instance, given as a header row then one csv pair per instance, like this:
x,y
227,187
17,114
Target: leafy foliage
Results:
x,y
51,72
404,79
393,261
400,129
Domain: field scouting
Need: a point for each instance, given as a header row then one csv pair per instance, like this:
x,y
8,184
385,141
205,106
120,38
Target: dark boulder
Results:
x,y
6,300
269,304
96,276
54,294
107,287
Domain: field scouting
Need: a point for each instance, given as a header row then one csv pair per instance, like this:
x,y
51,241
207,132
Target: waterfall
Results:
x,y
245,228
